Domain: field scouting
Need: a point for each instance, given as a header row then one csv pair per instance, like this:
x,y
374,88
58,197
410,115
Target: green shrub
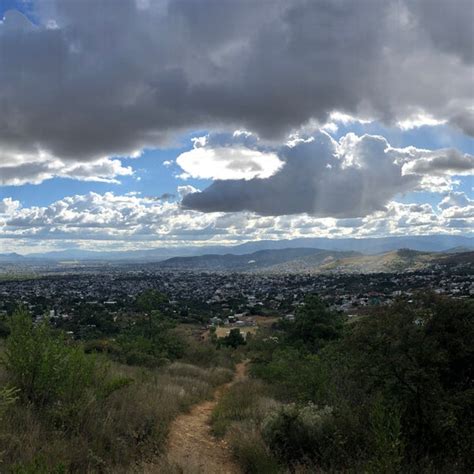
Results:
x,y
234,339
293,375
43,366
294,433
8,396
385,434
113,384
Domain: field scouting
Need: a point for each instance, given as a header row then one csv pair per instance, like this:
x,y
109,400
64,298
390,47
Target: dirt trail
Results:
x,y
191,446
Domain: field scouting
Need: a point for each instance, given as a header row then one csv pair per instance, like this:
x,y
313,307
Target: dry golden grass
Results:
x,y
111,433
224,331
238,416
250,450
245,400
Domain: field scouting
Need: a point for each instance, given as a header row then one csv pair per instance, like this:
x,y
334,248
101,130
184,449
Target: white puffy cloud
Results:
x,y
228,163
437,184
186,189
455,199
419,120
35,167
236,155
131,221
8,205
457,207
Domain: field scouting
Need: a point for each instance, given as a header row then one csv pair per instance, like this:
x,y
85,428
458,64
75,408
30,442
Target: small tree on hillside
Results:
x,y
234,339
314,325
43,366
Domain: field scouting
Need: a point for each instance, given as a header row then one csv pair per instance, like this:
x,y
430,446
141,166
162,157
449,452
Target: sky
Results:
x,y
131,124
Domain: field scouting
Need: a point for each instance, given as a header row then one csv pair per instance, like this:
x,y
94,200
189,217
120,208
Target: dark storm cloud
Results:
x,y
349,178
320,177
448,24
442,162
101,78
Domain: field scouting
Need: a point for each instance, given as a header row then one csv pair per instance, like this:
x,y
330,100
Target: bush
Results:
x,y
385,434
234,339
419,358
43,367
294,433
206,354
250,450
293,375
238,415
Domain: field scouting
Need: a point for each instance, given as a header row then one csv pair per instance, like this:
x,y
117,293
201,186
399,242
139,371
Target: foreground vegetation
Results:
x,y
392,392
64,410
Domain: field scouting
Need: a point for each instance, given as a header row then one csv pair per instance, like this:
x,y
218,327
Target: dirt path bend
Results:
x,y
191,446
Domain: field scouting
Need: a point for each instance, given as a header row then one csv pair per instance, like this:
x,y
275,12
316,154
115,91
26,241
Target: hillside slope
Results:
x,y
308,260
401,260
260,260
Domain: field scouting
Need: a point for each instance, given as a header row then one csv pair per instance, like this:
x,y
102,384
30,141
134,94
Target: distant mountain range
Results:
x,y
367,246
307,260
11,257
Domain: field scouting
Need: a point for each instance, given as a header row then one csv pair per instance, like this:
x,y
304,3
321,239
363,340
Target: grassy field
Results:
x,y
261,321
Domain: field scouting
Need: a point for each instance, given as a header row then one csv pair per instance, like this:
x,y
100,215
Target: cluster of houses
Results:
x,y
229,299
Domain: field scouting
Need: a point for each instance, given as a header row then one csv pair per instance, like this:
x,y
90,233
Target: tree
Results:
x,y
419,357
314,325
150,300
150,341
234,339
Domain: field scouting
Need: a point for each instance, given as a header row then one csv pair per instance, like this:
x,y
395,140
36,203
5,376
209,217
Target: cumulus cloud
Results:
x,y
186,189
21,168
439,162
349,178
213,158
132,220
8,206
89,81
457,207
455,199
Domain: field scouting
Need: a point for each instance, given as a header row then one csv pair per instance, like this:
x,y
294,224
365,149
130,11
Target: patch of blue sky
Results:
x,y
24,6
420,197
150,178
